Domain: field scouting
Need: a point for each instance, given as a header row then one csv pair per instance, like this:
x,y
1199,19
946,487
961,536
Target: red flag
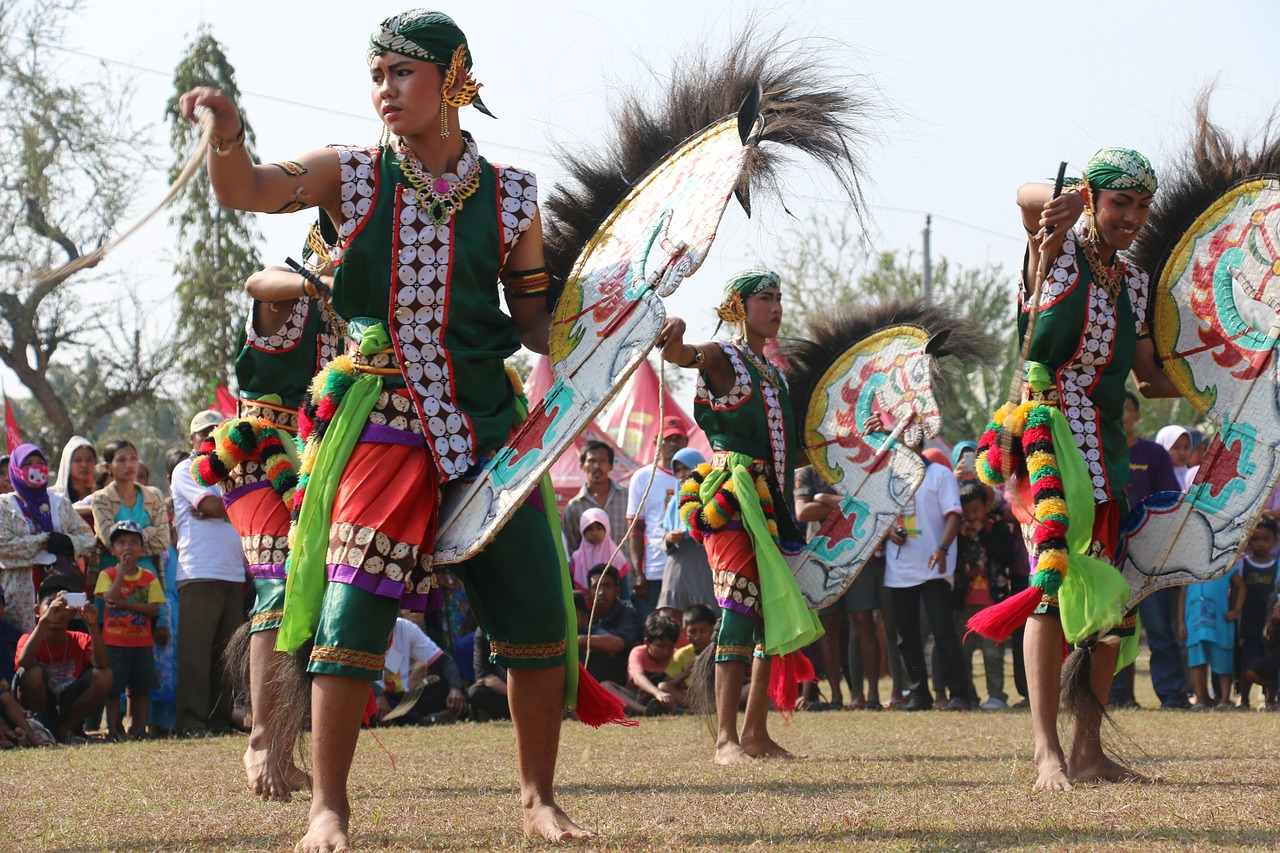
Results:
x,y
222,401
12,437
632,418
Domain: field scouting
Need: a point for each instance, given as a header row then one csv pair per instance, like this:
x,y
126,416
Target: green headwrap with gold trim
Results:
x,y
733,309
422,34
1114,168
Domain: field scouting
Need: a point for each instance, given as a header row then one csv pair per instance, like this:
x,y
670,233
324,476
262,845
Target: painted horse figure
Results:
x,y
1217,301
890,371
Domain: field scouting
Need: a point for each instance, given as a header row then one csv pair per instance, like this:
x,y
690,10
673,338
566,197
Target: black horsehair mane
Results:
x,y
828,336
808,106
1208,166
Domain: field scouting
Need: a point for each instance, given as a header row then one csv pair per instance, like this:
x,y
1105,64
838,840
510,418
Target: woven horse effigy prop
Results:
x,y
1213,244
638,219
888,372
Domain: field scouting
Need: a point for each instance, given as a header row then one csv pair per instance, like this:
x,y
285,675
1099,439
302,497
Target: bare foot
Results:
x,y
549,822
732,755
766,747
270,777
1052,775
1103,769
326,833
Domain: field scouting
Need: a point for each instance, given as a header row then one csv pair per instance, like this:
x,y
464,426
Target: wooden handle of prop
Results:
x,y
1015,382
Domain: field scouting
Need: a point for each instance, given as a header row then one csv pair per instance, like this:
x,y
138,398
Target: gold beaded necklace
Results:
x,y
441,197
768,370
1109,278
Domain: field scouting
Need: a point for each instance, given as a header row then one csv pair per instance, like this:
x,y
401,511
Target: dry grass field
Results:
x,y
887,781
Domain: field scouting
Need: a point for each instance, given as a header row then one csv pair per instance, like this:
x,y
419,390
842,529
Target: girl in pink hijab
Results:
x,y
597,547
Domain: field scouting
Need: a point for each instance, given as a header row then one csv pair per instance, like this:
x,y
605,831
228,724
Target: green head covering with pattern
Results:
x,y
1115,168
732,309
422,34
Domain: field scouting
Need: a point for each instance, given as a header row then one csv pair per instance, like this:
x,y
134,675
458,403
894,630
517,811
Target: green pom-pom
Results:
x,y
1048,581
337,383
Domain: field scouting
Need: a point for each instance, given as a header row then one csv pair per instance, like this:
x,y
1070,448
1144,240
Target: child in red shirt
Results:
x,y
647,670
62,674
131,596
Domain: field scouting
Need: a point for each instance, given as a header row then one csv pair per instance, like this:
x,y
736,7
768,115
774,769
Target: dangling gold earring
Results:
x,y
385,140
444,118
1092,236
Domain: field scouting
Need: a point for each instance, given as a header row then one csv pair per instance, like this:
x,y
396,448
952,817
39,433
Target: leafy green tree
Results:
x,y
70,161
834,268
217,247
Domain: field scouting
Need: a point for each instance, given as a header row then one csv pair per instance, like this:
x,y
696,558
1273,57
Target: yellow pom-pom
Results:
x,y
1051,506
1054,560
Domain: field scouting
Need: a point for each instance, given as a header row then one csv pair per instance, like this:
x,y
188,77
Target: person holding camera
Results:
x,y
62,674
40,536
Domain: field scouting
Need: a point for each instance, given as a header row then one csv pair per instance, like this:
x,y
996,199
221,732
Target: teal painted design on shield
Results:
x,y
509,462
857,513
866,397
1238,331
1246,436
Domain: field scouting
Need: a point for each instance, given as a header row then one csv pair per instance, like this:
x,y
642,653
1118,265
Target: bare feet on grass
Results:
x,y
731,754
767,747
326,833
1103,769
1051,775
549,822
273,778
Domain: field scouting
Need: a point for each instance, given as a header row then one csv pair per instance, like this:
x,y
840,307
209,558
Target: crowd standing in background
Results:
x,y
115,598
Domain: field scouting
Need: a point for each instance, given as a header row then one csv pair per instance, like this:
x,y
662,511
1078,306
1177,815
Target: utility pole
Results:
x,y
928,265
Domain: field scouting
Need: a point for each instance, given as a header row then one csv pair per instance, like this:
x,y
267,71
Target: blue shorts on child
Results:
x,y
134,668
1220,659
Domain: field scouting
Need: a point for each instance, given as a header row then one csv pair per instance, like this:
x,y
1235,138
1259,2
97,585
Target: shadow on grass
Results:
x,y
775,788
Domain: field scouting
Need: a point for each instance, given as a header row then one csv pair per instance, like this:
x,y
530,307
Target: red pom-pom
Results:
x,y
998,621
597,706
785,675
326,408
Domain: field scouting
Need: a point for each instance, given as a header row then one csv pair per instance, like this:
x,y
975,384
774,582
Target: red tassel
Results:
x,y
1000,620
597,706
785,676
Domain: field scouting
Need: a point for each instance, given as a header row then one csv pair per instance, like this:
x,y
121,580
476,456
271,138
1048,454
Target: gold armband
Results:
x,y
524,283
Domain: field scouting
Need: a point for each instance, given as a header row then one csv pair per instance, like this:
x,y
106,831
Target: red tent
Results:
x,y
566,472
632,417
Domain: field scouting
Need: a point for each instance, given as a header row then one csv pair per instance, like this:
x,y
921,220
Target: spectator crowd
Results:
x,y
116,600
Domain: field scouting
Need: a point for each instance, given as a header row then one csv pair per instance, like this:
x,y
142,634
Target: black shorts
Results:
x,y
51,717
134,668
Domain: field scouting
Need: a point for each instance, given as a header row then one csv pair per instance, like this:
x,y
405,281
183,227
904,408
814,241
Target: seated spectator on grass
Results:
x,y
647,691
8,645
40,536
699,625
414,660
129,597
62,674
615,628
489,693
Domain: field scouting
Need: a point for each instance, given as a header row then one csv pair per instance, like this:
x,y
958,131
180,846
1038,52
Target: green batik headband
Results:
x,y
422,34
733,309
1115,168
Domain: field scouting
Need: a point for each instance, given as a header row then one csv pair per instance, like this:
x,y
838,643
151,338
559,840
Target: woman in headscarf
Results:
x,y
740,507
1177,441
75,469
38,532
686,579
427,228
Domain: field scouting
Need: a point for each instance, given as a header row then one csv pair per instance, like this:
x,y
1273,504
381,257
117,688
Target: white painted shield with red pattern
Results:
x,y
1216,330
604,325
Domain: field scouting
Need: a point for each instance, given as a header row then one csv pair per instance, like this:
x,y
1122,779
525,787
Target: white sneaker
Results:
x,y
994,704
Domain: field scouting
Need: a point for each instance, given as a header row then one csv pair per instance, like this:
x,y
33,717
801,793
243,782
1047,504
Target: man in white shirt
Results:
x,y
414,659
920,566
647,544
211,576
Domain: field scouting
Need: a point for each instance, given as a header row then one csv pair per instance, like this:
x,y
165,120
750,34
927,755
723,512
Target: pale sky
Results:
x,y
979,98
